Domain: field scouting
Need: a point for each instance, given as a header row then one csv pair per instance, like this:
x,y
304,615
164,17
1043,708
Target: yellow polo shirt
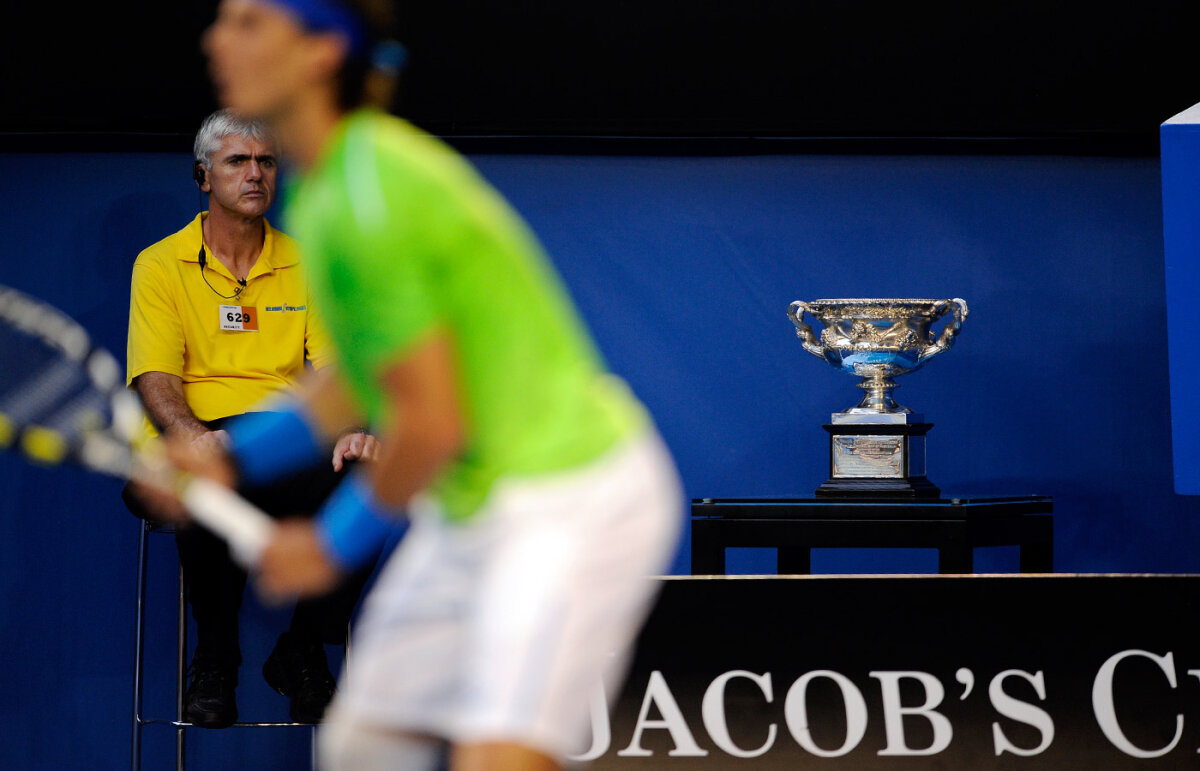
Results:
x,y
178,324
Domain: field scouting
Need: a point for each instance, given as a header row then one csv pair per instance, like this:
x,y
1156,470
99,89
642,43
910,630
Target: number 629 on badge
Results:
x,y
239,318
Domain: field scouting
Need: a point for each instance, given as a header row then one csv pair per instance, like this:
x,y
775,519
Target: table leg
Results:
x,y
955,559
708,552
793,560
955,552
1037,545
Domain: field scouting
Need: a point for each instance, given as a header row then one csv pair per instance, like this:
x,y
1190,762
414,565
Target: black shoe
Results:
x,y
300,672
210,701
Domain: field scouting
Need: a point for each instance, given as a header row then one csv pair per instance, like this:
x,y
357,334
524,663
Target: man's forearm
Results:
x,y
162,397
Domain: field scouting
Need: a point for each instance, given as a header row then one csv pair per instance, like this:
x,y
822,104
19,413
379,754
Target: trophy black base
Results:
x,y
904,489
874,459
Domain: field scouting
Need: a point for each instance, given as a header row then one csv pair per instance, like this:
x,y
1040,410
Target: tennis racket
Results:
x,y
64,400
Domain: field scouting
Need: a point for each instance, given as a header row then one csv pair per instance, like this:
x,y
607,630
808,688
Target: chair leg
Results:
x,y
181,674
139,638
181,723
139,659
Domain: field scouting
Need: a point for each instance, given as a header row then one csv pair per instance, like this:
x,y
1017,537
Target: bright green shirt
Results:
x,y
402,237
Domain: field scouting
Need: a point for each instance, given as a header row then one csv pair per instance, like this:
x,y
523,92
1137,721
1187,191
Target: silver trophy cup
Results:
x,y
877,448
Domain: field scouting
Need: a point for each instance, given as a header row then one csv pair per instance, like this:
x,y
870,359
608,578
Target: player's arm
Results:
x,y
429,430
334,411
328,405
353,441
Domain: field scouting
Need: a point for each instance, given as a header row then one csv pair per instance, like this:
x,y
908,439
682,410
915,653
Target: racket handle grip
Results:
x,y
242,525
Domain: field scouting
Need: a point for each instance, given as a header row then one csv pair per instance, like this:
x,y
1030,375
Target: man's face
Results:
x,y
256,57
242,178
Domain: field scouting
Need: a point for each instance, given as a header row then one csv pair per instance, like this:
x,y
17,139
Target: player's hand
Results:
x,y
153,484
204,456
214,442
294,564
355,445
158,500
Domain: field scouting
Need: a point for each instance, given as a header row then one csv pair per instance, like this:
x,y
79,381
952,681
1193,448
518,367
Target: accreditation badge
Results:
x,y
239,318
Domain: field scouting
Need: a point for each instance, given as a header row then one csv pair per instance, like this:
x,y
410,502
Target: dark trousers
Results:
x,y
216,584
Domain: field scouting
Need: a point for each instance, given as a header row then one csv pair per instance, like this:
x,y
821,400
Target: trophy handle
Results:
x,y
809,340
950,331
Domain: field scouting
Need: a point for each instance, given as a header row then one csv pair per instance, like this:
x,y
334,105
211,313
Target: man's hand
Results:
x,y
355,445
294,564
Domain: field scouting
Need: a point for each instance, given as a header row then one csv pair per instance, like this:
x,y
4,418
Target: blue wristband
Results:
x,y
268,445
353,525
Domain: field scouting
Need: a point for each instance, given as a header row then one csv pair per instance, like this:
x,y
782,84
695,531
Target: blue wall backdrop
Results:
x,y
684,267
1181,240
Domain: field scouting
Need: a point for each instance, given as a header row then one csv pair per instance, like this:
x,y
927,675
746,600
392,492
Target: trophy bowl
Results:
x,y
878,340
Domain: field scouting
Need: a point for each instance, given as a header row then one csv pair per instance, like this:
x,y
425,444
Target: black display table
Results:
x,y
953,526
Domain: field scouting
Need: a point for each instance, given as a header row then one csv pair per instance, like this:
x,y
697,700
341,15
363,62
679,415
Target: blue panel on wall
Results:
x,y
1181,242
683,267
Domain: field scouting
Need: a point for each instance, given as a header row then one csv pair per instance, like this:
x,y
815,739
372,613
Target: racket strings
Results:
x,y
64,430
43,393
51,391
43,323
105,453
23,354
61,399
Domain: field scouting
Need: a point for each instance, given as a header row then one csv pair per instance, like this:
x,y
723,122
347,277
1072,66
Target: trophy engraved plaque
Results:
x,y
877,448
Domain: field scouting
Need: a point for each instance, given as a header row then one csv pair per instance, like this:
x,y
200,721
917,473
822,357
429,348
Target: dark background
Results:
x,y
1091,74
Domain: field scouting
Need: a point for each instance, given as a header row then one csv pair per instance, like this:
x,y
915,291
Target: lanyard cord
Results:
x,y
236,292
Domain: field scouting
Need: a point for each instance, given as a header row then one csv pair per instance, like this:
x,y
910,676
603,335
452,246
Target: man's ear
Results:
x,y
200,175
326,55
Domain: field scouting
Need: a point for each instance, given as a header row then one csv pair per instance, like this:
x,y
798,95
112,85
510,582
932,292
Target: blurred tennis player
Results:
x,y
542,499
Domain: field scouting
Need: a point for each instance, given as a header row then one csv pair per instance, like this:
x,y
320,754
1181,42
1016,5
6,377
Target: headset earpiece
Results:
x,y
199,173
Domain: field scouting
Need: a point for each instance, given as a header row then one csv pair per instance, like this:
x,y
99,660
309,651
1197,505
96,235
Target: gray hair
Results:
x,y
221,124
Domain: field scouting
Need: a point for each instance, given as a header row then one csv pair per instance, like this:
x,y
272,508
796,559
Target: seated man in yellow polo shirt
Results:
x,y
220,318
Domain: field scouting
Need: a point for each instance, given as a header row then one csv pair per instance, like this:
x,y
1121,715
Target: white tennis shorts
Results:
x,y
502,628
